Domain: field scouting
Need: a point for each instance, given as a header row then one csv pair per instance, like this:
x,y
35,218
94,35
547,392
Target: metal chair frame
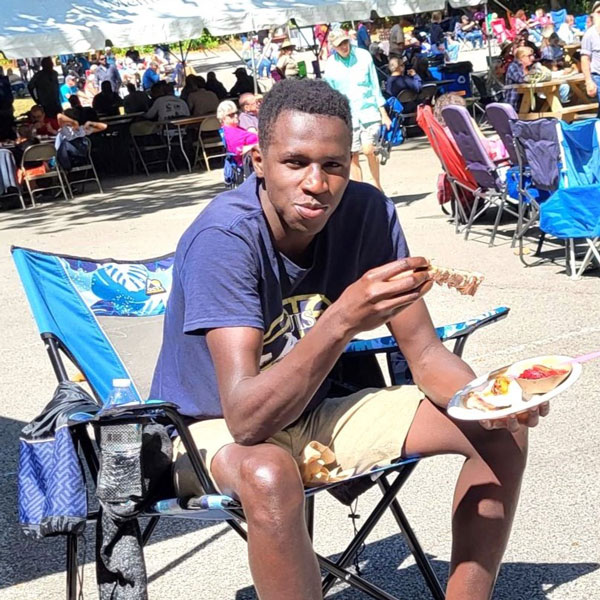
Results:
x,y
210,125
83,168
389,479
156,130
42,152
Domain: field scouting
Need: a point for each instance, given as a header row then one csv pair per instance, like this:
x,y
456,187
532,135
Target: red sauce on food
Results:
x,y
540,372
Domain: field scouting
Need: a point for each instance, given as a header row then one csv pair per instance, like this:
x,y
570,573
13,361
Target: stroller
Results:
x,y
395,135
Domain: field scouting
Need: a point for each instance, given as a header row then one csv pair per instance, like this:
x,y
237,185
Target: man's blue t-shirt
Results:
x,y
227,273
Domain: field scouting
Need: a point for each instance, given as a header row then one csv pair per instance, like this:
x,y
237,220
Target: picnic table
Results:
x,y
552,105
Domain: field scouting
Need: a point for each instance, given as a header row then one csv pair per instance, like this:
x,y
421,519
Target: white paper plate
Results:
x,y
457,410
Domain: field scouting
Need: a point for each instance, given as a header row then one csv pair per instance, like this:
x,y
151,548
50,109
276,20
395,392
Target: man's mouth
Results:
x,y
310,211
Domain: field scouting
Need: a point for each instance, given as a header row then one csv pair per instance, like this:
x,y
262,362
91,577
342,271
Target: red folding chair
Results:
x,y
462,182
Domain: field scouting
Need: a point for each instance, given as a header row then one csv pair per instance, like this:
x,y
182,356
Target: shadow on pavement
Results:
x,y
24,559
124,198
381,565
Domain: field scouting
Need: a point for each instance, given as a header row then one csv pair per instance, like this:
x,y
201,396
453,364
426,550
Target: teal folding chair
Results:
x,y
105,317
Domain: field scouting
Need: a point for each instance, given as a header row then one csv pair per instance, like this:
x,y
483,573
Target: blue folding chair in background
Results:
x,y
104,319
581,22
572,213
558,17
563,159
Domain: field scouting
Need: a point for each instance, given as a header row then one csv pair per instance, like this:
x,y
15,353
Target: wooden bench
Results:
x,y
567,113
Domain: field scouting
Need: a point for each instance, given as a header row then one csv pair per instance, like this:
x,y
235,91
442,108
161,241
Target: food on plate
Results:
x,y
500,392
465,282
539,378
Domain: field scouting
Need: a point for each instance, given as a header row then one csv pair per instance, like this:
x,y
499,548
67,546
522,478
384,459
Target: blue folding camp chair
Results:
x,y
558,17
562,159
105,318
581,22
573,212
395,135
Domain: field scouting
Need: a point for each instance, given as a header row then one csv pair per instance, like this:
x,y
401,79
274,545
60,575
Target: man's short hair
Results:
x,y
310,96
245,98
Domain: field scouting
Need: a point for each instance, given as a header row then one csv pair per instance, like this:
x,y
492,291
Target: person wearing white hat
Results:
x,y
286,63
590,55
351,71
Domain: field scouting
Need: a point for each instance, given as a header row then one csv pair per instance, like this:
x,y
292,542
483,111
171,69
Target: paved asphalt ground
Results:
x,y
554,552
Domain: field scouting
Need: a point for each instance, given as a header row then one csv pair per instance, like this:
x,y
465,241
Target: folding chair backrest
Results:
x,y
210,124
427,93
106,314
142,128
445,148
406,96
38,152
538,146
499,115
581,22
558,17
471,147
580,155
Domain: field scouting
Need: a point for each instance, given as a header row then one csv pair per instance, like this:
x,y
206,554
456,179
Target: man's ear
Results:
x,y
257,161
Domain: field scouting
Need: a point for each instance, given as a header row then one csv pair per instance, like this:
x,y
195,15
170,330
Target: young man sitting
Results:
x,y
270,283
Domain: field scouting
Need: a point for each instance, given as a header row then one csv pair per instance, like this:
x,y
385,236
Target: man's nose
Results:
x,y
315,180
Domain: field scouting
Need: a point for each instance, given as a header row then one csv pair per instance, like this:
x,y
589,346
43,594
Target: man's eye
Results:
x,y
292,162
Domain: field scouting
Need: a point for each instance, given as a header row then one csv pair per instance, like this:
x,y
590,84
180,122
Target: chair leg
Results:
x,y
71,566
497,222
415,547
96,177
471,217
309,512
346,557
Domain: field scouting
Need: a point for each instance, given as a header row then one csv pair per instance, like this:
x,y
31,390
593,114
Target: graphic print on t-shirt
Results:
x,y
300,313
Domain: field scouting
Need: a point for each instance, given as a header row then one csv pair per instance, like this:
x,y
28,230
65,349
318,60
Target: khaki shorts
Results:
x,y
364,430
365,135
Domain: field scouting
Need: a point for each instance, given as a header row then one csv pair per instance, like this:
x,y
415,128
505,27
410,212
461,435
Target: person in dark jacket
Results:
x,y
214,85
401,79
107,103
44,88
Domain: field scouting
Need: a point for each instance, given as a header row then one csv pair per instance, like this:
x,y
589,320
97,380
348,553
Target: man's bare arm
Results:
x,y
438,372
258,404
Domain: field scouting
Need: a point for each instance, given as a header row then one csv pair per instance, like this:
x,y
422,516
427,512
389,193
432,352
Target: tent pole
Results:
x,y
311,46
489,34
254,73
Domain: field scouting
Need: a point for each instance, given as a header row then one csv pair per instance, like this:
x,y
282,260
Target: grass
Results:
x,y
22,105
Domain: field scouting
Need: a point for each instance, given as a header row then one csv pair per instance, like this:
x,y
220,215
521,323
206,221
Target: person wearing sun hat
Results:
x,y
351,71
590,55
286,63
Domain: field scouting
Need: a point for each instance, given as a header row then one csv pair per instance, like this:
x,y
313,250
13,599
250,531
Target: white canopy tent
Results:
x,y
50,27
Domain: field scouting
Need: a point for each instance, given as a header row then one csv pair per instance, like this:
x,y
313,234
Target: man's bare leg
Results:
x,y
373,161
485,497
265,478
355,170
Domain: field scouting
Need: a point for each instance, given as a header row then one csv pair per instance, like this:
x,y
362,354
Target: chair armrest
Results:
x,y
149,408
454,331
